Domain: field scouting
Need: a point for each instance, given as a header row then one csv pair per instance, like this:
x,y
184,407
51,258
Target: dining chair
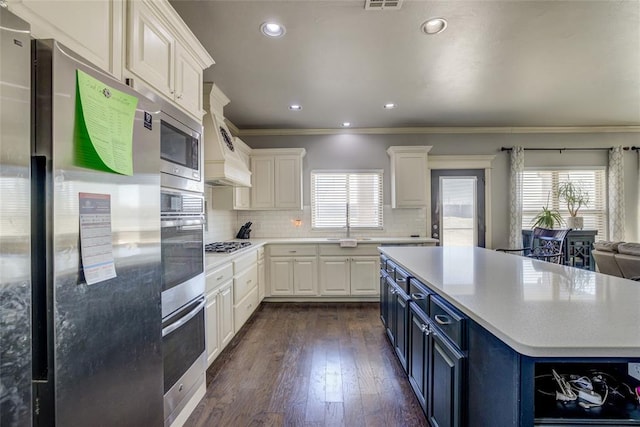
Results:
x,y
546,245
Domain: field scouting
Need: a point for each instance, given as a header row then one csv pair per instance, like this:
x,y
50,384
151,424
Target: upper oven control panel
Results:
x,y
179,203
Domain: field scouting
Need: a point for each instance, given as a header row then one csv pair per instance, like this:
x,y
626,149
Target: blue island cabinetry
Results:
x,y
463,374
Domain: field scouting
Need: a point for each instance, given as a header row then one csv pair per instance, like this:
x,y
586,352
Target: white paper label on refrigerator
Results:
x,y
96,245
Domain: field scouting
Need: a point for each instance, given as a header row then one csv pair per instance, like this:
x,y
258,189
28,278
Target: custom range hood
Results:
x,y
223,164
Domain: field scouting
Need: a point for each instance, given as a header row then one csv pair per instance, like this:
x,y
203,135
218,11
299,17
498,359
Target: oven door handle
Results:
x,y
184,319
181,222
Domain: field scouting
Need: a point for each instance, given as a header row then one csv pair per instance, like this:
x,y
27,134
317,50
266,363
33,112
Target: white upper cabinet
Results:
x,y
188,92
92,29
262,182
142,40
276,178
165,55
409,176
151,48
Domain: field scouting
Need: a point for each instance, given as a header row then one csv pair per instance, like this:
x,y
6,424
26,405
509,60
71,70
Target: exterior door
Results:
x,y
458,206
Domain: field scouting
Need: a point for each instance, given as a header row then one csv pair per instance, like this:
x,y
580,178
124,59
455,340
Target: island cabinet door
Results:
x,y
444,394
418,353
402,323
390,310
384,300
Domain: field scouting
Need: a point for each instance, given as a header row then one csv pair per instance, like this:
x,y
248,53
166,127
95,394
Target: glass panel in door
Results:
x,y
458,215
457,203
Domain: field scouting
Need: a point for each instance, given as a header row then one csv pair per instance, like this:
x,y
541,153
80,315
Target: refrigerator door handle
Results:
x,y
184,319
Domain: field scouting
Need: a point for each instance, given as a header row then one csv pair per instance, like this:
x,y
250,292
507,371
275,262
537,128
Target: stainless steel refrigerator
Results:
x,y
74,354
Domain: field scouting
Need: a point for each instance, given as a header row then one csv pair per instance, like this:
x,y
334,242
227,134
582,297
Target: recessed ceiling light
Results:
x,y
346,124
272,29
434,26
295,107
389,106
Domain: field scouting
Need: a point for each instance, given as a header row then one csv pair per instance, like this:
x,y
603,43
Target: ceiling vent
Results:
x,y
382,4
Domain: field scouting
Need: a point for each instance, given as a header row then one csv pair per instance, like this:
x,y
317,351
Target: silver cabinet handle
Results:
x,y
442,319
401,280
425,329
219,277
292,252
418,297
392,291
249,281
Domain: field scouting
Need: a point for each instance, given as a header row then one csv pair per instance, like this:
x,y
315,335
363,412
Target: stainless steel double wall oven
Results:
x,y
182,220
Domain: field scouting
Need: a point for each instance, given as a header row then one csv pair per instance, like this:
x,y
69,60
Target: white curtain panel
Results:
x,y
516,173
616,194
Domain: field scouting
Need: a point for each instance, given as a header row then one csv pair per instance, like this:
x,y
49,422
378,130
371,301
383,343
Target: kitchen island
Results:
x,y
495,327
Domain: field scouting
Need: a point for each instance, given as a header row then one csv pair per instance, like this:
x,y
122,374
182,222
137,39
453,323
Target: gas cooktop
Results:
x,y
225,247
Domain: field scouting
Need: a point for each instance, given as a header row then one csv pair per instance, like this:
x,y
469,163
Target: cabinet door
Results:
x,y
364,275
151,49
225,304
242,198
92,29
305,274
334,276
261,280
288,185
402,320
188,82
444,405
262,182
409,180
418,355
211,327
391,310
281,276
384,302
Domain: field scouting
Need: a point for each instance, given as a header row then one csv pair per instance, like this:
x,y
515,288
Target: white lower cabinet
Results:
x,y
261,275
357,276
365,275
293,270
218,311
245,288
334,275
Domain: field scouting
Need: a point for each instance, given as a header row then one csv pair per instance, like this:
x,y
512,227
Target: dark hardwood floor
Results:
x,y
320,364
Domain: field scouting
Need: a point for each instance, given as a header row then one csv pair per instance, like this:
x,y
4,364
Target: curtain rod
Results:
x,y
570,149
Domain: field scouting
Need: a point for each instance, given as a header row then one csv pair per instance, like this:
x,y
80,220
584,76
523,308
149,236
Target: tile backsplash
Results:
x,y
224,224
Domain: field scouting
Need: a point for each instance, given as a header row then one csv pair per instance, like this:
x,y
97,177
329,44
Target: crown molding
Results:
x,y
441,130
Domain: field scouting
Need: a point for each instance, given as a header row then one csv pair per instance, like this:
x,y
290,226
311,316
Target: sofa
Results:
x,y
617,258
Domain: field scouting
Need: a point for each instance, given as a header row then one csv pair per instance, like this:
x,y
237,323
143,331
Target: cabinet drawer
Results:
x,y
292,250
419,294
219,276
337,250
243,310
390,268
245,261
402,279
244,283
449,320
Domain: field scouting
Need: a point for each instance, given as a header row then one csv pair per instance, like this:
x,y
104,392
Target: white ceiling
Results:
x,y
499,63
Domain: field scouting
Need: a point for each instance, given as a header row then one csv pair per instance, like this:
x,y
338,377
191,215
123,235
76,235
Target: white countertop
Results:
x,y
537,308
214,260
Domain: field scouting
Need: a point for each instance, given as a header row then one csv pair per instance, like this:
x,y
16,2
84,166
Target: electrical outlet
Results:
x,y
634,370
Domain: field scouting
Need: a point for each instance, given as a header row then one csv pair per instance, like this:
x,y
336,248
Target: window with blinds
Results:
x,y
540,190
341,197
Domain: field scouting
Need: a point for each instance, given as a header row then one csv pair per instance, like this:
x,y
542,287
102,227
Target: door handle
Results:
x,y
172,327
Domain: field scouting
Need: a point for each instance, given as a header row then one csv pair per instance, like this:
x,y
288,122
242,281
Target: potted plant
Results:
x,y
575,197
547,217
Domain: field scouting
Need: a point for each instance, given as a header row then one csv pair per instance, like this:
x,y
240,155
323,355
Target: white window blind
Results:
x,y
540,185
338,196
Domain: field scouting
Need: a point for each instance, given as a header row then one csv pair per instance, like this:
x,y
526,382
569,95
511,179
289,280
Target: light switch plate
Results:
x,y
634,370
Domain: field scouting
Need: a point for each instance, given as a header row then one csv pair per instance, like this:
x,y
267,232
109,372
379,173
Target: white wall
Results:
x,y
353,151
